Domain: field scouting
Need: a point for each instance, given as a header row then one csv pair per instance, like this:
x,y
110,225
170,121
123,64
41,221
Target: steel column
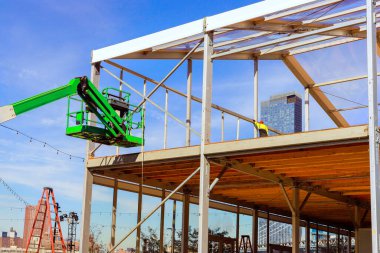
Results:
x,y
373,124
307,108
188,100
185,223
139,210
237,227
162,222
120,95
166,119
268,231
205,138
114,209
88,177
295,222
255,229
307,237
173,224
255,94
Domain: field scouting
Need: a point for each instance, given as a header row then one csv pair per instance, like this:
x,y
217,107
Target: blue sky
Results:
x,y
46,43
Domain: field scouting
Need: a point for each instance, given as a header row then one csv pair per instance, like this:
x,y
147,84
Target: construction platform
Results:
x,y
333,165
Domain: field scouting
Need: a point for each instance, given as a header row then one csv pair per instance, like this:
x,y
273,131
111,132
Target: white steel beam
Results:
x,y
187,31
301,9
205,139
88,177
255,94
291,37
188,100
373,125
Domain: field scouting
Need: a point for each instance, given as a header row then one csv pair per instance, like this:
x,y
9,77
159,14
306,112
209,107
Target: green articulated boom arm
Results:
x,y
116,128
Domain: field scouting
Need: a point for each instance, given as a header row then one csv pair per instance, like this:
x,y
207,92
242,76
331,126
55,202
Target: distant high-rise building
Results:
x,y
283,112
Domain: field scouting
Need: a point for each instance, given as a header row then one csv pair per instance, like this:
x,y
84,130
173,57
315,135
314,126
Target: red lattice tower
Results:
x,y
42,216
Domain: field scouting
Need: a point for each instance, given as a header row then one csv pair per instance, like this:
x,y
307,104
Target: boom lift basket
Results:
x,y
79,124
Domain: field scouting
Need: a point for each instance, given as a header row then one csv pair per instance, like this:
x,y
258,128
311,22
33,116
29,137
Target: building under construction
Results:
x,y
328,179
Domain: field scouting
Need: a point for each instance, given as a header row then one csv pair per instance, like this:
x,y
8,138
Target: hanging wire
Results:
x,y
42,142
13,192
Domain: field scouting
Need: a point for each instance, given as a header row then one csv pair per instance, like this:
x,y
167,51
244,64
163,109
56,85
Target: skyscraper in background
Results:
x,y
283,112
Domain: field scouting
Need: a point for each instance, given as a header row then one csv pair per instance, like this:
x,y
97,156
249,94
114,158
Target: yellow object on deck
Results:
x,y
263,129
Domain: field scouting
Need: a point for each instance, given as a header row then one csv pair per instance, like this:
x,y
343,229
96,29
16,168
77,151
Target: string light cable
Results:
x,y
46,144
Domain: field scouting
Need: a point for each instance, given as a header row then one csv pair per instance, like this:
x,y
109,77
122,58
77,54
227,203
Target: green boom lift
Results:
x,y
116,117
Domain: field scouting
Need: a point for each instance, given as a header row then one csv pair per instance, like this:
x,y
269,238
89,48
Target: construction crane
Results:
x,y
116,116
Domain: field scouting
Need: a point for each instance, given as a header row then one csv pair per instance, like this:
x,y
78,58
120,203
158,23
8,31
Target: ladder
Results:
x,y
245,244
42,225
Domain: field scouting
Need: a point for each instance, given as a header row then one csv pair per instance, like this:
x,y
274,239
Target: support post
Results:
x,y
238,129
296,222
88,177
373,124
139,210
114,209
328,239
185,223
268,231
120,95
307,237
317,238
237,227
166,119
357,226
173,224
255,94
222,123
255,229
338,242
307,108
162,222
205,138
188,100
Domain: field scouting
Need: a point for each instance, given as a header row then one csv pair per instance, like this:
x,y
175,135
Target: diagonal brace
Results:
x,y
169,74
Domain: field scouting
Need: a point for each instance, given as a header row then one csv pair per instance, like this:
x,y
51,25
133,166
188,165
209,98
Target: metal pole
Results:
x,y
296,222
268,231
120,95
114,209
307,108
237,227
238,129
357,224
173,224
222,122
205,138
166,119
373,124
256,95
88,177
162,223
255,230
188,100
185,223
308,237
155,209
328,239
139,209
